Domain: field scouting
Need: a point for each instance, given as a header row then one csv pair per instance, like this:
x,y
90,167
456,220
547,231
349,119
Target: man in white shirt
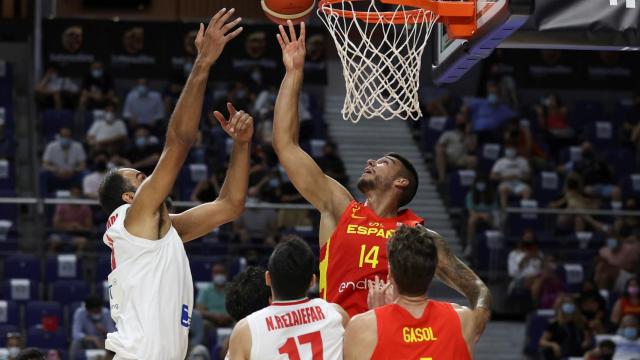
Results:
x,y
64,159
150,285
143,106
455,146
107,133
511,171
525,263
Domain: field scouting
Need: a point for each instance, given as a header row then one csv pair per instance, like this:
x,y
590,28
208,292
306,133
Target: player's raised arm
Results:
x,y
323,192
183,125
229,205
457,275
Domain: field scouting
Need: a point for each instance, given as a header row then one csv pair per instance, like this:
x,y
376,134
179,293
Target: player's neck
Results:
x,y
383,204
415,305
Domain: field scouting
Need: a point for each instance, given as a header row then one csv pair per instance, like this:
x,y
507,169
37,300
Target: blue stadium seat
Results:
x,y
189,177
547,186
458,185
623,161
9,313
36,310
19,290
63,267
518,222
488,154
7,176
536,324
4,330
431,129
66,292
22,267
602,134
631,186
586,111
40,338
201,267
54,120
103,268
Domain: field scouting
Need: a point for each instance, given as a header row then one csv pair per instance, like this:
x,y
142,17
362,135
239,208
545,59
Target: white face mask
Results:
x,y
13,351
219,279
510,153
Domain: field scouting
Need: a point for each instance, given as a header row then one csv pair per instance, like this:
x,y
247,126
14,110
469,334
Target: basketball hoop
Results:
x,y
381,51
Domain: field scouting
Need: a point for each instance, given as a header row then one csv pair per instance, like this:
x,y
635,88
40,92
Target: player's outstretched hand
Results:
x,y
239,126
380,293
211,42
293,48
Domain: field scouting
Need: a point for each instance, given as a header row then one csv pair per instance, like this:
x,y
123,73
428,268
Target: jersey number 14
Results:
x,y
290,348
371,256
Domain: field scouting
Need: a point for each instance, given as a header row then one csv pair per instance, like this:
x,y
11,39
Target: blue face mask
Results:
x,y
141,142
568,308
630,333
64,142
143,90
96,73
612,243
492,98
481,186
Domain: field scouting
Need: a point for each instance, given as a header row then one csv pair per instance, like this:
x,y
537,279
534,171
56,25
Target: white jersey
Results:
x,y
150,293
305,329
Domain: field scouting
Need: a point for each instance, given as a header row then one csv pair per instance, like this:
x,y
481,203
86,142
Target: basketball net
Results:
x,y
381,58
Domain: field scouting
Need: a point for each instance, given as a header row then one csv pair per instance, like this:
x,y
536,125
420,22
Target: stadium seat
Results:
x,y
37,337
4,330
518,222
66,266
7,176
631,186
572,275
19,290
54,120
9,313
536,324
488,155
66,292
37,311
458,185
547,186
623,161
189,177
602,134
201,267
22,267
431,129
103,268
586,111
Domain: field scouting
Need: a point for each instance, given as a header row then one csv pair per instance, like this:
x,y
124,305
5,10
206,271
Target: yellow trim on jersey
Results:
x,y
324,265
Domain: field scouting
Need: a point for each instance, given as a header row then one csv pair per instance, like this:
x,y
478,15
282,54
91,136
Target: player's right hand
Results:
x,y
380,294
294,48
211,42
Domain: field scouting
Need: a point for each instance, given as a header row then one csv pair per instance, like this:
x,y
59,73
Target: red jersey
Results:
x,y
435,335
628,308
357,252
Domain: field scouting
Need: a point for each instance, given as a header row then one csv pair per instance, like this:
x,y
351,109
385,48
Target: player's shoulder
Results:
x,y
364,321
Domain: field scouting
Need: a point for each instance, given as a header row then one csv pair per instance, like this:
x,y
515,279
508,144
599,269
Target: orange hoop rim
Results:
x,y
462,13
443,9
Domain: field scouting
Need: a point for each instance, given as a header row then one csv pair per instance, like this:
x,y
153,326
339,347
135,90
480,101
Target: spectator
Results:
x,y
109,133
519,131
247,293
208,189
211,300
64,161
567,334
455,146
91,324
512,172
331,164
482,207
605,351
144,106
53,354
619,260
97,88
574,198
629,328
145,152
55,91
256,225
30,354
7,144
597,175
14,344
628,226
629,303
524,264
91,182
490,114
553,118
593,307
548,286
73,222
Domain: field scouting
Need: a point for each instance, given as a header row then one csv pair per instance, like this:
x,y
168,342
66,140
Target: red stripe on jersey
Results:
x,y
289,303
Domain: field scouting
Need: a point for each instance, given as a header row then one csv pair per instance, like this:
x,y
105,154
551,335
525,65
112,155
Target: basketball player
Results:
x,y
414,326
353,235
150,286
293,327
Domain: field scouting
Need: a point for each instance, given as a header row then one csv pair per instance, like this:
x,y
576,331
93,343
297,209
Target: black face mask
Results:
x,y
606,357
461,127
101,166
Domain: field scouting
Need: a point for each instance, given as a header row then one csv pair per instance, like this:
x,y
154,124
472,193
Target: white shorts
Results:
x,y
515,187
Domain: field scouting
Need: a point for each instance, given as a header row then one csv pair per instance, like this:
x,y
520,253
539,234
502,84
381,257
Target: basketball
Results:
x,y
279,11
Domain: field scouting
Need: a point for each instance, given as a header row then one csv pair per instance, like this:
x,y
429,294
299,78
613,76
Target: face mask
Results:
x,y
141,142
65,143
630,333
492,98
96,317
101,166
143,90
96,73
568,308
612,243
461,126
633,290
481,186
109,118
219,279
510,153
606,357
241,94
13,351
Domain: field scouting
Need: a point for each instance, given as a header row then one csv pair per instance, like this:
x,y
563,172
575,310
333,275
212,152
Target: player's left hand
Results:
x,y
239,126
380,293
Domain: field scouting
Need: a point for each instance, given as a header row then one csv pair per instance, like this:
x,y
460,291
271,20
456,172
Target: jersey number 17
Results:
x,y
290,347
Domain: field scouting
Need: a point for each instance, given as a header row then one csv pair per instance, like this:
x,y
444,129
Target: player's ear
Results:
x,y
267,278
401,183
313,281
128,196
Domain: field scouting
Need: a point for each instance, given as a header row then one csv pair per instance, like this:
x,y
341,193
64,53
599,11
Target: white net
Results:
x,y
381,60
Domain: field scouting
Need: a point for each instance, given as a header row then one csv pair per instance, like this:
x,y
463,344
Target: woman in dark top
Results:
x,y
567,334
207,190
